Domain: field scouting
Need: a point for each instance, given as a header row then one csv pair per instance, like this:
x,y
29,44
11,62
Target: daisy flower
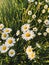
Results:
x,y
11,52
43,11
29,49
10,41
29,12
4,36
46,6
39,20
25,27
33,16
31,56
4,48
28,35
7,30
47,30
45,33
35,29
1,26
46,22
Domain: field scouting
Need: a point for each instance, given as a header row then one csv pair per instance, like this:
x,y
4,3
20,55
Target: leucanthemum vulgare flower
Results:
x,y
4,48
45,33
29,49
39,20
4,36
35,29
7,30
33,16
29,12
30,52
10,41
46,22
28,35
46,6
25,27
32,56
1,26
43,11
47,30
11,52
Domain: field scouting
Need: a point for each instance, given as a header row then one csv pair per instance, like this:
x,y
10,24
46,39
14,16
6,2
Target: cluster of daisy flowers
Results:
x,y
27,34
31,54
8,41
39,20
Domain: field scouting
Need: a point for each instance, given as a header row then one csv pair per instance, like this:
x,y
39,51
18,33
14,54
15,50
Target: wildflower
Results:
x,y
11,52
25,27
4,36
4,48
10,41
7,30
28,35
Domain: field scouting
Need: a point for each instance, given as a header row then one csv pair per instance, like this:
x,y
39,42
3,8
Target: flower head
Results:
x,y
29,49
31,56
11,52
10,41
4,36
47,30
7,30
4,48
25,27
28,35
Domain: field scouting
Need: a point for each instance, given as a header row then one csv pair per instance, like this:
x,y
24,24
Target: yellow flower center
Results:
x,y
4,35
7,30
25,27
11,52
10,41
29,50
27,34
4,48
